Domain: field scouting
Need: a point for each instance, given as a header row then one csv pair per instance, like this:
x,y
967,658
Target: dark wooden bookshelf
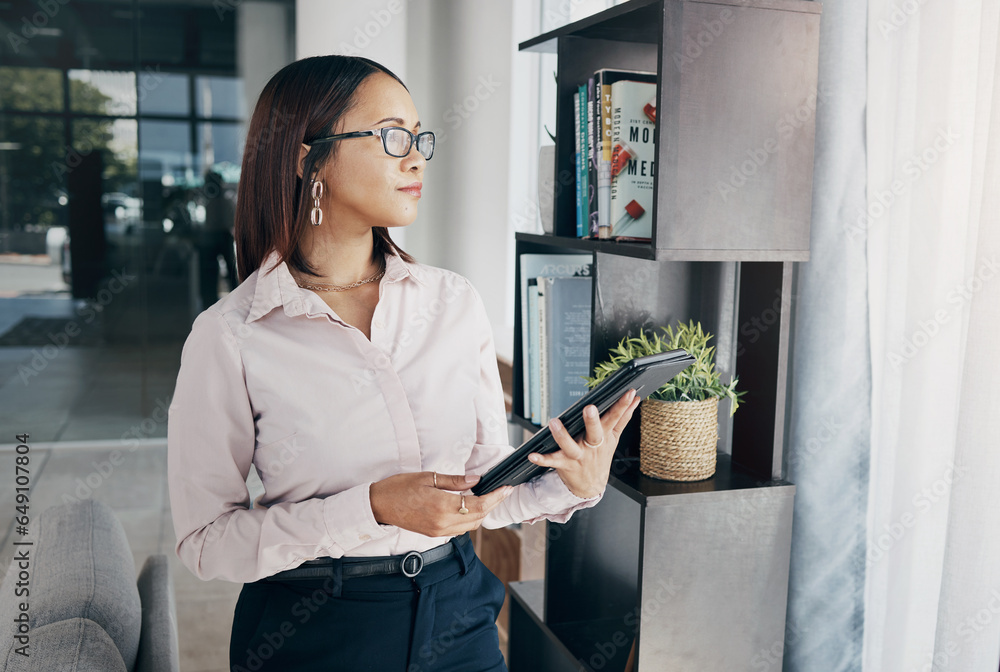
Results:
x,y
717,256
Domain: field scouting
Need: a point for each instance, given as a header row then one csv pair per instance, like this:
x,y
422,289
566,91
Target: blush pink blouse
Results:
x,y
271,376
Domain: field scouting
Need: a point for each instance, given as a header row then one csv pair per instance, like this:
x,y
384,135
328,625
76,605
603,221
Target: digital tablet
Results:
x,y
645,374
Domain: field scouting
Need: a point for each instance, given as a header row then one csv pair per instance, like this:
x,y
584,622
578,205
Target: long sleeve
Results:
x,y
211,441
545,497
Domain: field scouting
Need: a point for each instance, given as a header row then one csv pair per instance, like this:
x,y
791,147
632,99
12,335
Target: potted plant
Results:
x,y
679,422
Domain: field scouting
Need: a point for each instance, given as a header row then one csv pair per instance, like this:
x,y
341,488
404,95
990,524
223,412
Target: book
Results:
x,y
533,266
633,159
533,358
582,153
576,162
565,341
603,79
593,133
543,357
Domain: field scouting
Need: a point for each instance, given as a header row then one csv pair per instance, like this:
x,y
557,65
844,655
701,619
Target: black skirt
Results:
x,y
442,619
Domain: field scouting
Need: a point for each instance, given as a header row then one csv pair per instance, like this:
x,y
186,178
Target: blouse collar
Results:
x,y
276,286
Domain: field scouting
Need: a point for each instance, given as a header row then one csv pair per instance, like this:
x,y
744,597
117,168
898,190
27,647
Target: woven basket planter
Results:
x,y
678,438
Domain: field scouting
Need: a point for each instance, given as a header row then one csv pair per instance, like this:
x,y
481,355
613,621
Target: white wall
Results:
x,y
375,29
264,45
462,79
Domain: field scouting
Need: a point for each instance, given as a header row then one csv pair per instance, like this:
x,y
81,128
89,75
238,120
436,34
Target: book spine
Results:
x,y
525,344
582,162
543,356
616,135
593,133
533,361
568,313
604,157
633,159
576,162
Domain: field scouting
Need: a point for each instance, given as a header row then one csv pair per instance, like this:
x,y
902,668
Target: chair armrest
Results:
x,y
158,643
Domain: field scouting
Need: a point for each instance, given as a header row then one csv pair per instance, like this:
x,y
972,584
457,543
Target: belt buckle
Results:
x,y
415,555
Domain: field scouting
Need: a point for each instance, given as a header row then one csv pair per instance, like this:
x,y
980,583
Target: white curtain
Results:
x,y
933,232
830,425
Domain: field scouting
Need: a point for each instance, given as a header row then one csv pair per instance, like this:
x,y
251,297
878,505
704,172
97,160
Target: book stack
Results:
x,y
556,314
615,156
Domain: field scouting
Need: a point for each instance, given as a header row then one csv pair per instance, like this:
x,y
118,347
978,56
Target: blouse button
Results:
x,y
365,537
378,324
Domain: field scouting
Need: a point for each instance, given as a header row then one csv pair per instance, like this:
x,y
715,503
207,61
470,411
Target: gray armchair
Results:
x,y
86,609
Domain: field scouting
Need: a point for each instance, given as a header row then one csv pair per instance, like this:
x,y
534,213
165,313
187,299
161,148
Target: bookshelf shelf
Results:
x,y
640,250
523,422
637,21
637,250
731,209
643,489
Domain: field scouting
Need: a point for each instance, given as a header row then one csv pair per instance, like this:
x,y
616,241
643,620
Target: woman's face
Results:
x,y
362,182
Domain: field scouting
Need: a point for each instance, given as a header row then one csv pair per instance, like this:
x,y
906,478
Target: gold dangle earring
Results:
x,y
316,214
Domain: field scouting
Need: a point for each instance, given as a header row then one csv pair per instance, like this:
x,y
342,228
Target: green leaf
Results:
x,y
699,381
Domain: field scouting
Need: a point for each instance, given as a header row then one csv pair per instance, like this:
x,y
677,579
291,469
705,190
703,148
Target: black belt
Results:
x,y
409,564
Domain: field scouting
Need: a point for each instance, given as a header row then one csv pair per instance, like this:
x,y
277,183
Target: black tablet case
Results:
x,y
645,374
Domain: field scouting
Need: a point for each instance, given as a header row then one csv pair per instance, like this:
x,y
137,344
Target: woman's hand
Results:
x,y
418,502
585,468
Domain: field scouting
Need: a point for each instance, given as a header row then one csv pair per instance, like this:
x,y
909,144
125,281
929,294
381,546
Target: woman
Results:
x,y
364,388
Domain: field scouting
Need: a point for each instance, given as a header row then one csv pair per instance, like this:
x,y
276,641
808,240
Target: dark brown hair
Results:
x,y
303,101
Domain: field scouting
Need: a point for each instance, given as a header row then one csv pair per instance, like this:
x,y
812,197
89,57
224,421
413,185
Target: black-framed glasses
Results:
x,y
396,141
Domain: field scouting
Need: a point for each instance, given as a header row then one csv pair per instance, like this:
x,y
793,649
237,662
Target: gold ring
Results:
x,y
463,510
435,478
594,445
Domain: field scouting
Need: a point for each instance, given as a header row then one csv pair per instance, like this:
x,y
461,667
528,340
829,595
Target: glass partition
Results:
x,y
120,122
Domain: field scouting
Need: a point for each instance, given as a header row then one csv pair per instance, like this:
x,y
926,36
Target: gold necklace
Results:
x,y
323,287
